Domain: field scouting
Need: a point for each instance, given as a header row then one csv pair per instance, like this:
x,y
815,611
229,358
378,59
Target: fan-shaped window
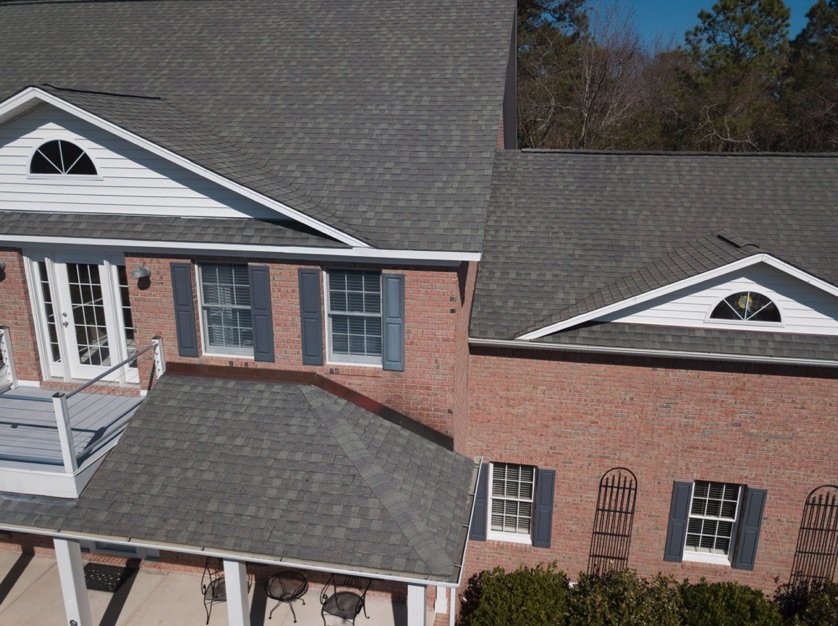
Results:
x,y
746,306
61,157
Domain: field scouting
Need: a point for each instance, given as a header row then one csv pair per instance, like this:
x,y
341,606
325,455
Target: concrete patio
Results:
x,y
30,594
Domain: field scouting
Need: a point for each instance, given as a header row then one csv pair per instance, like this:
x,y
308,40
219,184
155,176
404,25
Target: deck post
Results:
x,y
417,610
65,432
73,588
235,581
159,356
8,375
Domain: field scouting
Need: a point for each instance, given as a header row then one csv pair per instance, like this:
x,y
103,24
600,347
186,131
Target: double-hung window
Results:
x,y
714,510
225,309
354,306
511,493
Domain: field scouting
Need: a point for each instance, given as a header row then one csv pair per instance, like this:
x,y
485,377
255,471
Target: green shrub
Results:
x,y
726,604
526,597
624,599
801,605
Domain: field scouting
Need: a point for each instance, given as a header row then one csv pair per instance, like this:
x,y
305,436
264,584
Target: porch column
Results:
x,y
71,574
416,605
235,581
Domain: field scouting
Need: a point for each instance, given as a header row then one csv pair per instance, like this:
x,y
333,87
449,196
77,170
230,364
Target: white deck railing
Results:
x,y
63,404
8,377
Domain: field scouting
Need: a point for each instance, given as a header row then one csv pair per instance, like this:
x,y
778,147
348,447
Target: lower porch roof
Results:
x,y
276,471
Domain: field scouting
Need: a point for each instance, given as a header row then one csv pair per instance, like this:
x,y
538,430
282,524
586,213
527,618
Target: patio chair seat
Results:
x,y
344,604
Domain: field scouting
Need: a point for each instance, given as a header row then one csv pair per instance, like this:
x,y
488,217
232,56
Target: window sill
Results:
x,y
706,557
331,361
228,355
509,537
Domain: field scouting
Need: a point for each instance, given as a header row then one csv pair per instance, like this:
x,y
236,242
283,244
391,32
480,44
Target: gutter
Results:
x,y
228,555
702,356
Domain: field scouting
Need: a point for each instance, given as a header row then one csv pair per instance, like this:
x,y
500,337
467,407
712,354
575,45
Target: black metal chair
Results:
x,y
342,603
212,585
287,587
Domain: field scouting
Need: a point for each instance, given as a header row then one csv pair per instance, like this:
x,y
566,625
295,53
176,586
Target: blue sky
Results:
x,y
670,19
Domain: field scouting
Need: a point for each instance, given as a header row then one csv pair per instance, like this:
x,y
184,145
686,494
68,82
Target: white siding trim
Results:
x,y
687,282
25,99
356,254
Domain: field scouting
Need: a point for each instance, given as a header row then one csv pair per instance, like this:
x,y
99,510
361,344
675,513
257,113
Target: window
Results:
x,y
225,308
512,489
61,157
746,306
713,513
355,316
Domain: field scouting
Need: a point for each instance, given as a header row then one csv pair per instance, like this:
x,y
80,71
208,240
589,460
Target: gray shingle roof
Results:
x,y
379,118
570,231
277,470
147,228
701,340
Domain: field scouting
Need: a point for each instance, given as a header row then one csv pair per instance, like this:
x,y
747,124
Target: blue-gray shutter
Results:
x,y
749,525
679,513
187,334
477,532
393,322
545,482
260,309
310,316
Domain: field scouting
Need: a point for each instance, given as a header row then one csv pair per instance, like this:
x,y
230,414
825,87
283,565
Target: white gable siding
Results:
x,y
803,308
131,180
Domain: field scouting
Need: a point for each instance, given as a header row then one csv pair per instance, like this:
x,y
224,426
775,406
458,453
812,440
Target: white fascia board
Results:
x,y
296,252
678,354
681,284
223,554
32,95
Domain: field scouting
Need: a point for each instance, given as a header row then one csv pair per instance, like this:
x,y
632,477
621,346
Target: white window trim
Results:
x,y
712,558
496,535
62,177
206,350
744,324
375,362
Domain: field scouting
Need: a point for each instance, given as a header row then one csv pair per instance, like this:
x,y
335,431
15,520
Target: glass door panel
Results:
x,y
88,315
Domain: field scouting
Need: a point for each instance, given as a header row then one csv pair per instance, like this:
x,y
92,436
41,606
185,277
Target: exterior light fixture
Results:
x,y
2,266
141,272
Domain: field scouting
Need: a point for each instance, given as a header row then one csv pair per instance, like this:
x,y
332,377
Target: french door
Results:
x,y
85,316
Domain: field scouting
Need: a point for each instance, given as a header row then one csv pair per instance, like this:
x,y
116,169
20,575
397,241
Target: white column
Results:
x,y
71,574
452,608
235,580
416,612
441,603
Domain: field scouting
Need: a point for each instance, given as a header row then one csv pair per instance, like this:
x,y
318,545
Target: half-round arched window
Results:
x,y
61,157
746,306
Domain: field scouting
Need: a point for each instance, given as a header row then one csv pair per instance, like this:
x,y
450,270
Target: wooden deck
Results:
x,y
29,433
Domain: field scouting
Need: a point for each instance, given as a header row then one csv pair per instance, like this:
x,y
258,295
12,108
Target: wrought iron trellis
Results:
x,y
613,521
816,553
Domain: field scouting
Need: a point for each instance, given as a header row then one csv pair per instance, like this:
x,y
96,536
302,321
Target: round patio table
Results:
x,y
287,587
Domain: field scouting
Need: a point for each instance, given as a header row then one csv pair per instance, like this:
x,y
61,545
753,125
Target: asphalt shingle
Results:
x,y
280,470
379,118
568,232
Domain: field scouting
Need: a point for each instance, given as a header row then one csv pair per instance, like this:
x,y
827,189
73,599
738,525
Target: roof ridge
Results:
x,y
668,153
376,479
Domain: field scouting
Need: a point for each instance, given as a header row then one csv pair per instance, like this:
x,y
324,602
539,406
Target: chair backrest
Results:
x,y
212,574
357,583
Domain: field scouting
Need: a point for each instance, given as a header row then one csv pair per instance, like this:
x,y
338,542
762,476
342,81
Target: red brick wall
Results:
x,y
15,313
434,321
665,423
